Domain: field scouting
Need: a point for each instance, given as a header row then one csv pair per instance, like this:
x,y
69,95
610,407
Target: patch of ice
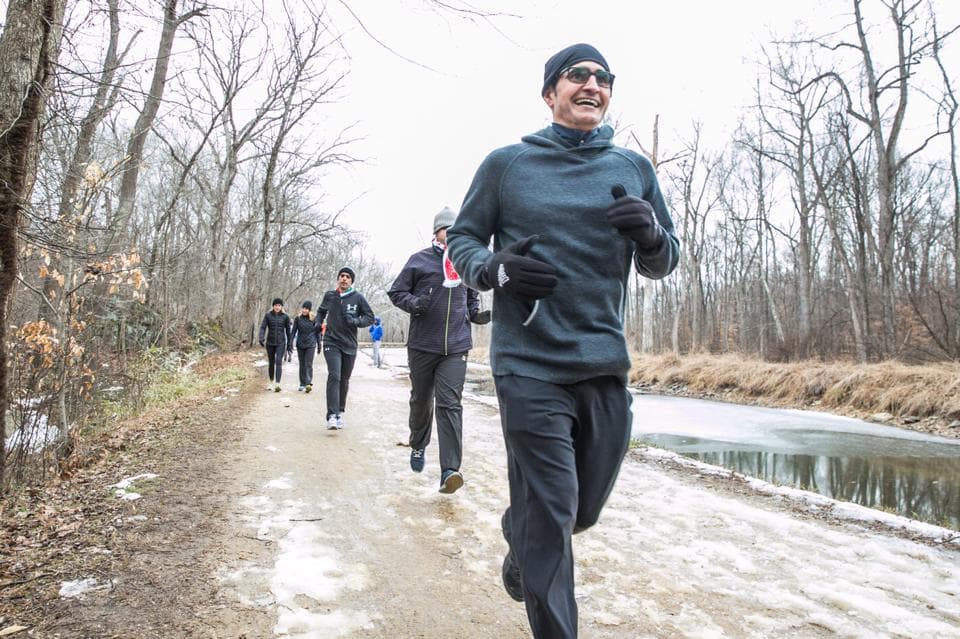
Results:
x,y
283,483
260,363
80,587
112,389
33,437
121,488
129,481
487,400
303,624
273,449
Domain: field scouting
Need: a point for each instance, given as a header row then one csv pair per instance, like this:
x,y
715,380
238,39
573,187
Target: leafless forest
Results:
x,y
165,164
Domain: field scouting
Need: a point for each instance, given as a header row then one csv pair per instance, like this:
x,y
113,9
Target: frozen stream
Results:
x,y
911,474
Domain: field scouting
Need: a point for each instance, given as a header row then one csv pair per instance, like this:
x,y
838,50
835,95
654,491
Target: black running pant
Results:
x,y
565,443
274,362
437,380
305,355
339,369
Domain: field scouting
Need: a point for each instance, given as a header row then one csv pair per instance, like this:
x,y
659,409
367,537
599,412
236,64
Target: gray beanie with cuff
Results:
x,y
444,219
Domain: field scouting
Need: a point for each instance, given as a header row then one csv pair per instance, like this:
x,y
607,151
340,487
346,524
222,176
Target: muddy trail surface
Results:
x,y
293,530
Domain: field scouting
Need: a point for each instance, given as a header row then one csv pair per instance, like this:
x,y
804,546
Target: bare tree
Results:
x,y
148,113
697,179
882,109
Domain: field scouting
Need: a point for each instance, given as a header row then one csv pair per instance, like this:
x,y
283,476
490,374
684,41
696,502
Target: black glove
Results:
x,y
483,317
521,277
261,342
349,320
635,219
419,307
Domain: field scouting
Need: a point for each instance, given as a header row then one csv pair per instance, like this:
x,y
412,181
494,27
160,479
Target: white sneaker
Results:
x,y
276,388
339,421
332,422
270,386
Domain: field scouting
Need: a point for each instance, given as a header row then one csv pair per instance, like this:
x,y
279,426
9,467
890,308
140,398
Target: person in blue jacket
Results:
x,y
569,214
441,310
342,311
376,336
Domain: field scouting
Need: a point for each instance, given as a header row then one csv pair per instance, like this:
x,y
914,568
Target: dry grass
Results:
x,y
931,390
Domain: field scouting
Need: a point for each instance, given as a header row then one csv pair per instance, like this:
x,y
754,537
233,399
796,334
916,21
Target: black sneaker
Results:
x,y
416,460
512,582
510,571
451,482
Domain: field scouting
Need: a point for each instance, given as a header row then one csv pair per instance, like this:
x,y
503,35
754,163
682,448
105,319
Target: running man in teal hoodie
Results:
x,y
569,213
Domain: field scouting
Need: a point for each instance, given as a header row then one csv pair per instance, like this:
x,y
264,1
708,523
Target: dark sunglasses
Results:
x,y
581,75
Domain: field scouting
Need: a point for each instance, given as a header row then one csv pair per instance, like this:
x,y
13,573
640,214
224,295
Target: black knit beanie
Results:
x,y
276,301
348,271
564,58
307,304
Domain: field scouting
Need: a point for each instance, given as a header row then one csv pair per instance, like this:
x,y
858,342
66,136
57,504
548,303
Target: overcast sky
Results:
x,y
427,129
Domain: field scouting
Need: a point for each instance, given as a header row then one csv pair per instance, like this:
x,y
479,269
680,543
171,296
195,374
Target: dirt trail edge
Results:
x,y
322,534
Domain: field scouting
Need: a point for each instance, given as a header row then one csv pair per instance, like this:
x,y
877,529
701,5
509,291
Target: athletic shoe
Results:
x,y
511,571
309,387
339,421
300,389
332,422
416,460
270,386
512,582
451,482
276,389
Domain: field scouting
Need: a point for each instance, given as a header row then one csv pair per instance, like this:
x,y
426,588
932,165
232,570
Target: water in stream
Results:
x,y
883,467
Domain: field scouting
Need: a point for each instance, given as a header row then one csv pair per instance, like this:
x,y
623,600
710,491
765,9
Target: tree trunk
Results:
x,y
138,138
29,47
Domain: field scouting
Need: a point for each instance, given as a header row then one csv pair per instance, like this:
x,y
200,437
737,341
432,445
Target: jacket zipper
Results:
x,y
446,323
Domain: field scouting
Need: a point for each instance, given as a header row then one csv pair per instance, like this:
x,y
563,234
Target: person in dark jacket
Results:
x,y
306,335
376,336
275,336
569,214
441,310
342,311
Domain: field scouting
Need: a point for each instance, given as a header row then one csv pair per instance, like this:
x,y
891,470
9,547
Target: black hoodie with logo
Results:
x,y
344,314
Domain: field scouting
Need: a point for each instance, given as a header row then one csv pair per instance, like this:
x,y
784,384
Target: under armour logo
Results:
x,y
502,277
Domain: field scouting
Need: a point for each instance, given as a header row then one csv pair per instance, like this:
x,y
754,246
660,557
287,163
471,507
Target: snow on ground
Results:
x,y
33,438
122,489
305,566
79,587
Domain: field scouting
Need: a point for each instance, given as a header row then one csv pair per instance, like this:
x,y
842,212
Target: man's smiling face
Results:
x,y
578,106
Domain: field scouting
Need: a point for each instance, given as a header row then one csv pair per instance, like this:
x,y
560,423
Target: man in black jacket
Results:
x,y
441,310
342,311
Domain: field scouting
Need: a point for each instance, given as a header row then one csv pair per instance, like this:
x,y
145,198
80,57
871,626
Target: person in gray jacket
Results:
x,y
441,310
569,214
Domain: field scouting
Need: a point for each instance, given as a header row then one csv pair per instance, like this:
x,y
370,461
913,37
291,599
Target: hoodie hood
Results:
x,y
549,138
